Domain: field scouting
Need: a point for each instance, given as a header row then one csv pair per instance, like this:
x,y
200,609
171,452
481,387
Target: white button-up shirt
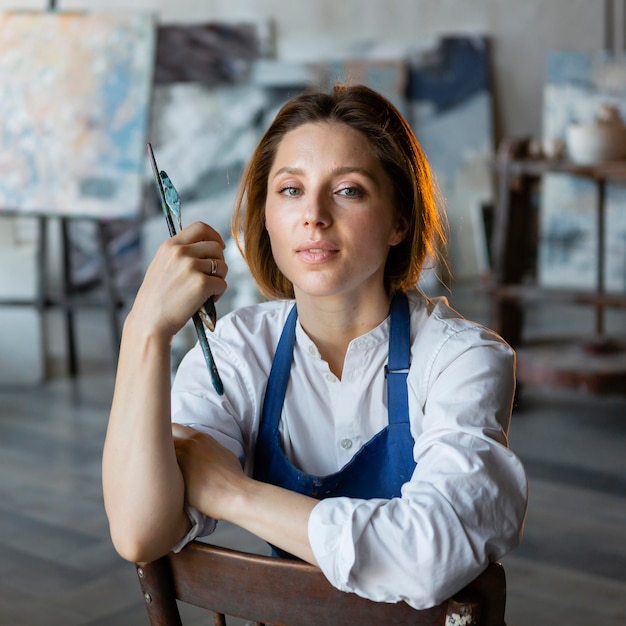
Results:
x,y
466,501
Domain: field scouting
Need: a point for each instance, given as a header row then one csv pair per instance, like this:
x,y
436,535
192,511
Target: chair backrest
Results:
x,y
267,590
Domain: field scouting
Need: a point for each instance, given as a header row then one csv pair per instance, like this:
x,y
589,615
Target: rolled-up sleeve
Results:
x,y
465,504
226,418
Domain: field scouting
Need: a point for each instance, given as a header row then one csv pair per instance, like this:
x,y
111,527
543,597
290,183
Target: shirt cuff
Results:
x,y
333,533
201,525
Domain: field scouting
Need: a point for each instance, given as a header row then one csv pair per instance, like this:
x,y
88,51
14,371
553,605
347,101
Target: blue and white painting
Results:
x,y
206,119
451,111
577,85
74,111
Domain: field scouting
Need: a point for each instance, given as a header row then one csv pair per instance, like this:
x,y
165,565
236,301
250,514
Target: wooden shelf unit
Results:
x,y
596,364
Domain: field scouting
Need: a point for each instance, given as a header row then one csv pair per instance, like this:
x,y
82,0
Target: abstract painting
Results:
x,y
206,118
74,111
451,111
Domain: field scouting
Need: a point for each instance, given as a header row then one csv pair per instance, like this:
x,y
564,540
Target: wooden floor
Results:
x,y
58,566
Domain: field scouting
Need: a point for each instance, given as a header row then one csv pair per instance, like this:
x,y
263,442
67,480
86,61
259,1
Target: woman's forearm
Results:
x,y
276,515
143,485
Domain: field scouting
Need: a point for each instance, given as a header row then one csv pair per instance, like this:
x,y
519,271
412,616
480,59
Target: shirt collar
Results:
x,y
371,339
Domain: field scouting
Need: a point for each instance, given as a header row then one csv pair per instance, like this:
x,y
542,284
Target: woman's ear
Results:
x,y
399,233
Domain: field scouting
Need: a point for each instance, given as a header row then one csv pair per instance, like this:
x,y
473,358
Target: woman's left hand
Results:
x,y
216,485
212,474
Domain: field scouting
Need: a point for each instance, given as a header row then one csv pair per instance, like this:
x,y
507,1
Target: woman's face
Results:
x,y
330,212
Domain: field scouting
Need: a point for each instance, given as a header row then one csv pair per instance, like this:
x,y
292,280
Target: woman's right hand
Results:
x,y
179,279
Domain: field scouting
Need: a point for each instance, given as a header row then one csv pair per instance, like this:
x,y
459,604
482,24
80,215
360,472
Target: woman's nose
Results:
x,y
316,211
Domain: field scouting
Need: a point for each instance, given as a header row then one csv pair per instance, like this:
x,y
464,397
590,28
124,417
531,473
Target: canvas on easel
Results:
x,y
74,106
74,111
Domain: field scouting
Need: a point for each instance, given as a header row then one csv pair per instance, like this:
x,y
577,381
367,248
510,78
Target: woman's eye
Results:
x,y
290,192
350,192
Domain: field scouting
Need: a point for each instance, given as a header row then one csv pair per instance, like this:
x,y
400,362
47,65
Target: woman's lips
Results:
x,y
316,251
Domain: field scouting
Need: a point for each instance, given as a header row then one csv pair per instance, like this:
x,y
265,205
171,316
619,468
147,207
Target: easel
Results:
x,y
68,299
70,296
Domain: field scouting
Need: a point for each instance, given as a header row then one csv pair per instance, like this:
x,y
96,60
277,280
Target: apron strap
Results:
x,y
397,368
280,373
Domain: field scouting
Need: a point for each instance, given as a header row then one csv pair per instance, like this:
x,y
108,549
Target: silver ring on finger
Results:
x,y
213,267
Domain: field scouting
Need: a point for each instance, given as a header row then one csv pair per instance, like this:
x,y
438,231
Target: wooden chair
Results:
x,y
269,590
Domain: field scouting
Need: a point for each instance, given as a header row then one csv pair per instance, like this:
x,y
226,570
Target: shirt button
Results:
x,y
346,443
312,349
331,378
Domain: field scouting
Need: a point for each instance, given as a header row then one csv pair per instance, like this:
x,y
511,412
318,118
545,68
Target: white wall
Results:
x,y
522,31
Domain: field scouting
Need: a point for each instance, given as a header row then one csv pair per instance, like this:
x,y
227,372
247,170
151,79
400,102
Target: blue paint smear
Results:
x,y
569,68
457,71
117,89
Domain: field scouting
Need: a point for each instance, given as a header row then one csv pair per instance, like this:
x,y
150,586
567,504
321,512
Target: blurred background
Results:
x,y
519,107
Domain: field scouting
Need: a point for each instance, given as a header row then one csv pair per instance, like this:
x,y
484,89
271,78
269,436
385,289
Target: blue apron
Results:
x,y
382,465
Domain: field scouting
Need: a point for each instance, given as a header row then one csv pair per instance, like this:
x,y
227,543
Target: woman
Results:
x,y
372,421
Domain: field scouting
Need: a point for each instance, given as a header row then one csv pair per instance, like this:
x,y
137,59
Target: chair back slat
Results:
x,y
275,590
268,590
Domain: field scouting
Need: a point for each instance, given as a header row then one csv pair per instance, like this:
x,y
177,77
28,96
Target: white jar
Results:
x,y
603,139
